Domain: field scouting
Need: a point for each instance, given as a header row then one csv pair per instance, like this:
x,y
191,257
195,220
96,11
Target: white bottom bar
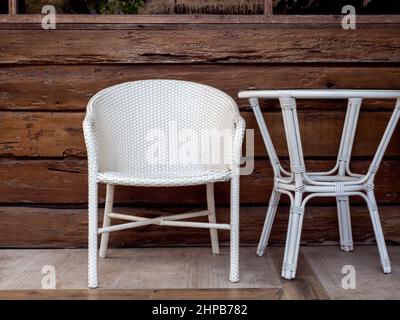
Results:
x,y
163,221
197,225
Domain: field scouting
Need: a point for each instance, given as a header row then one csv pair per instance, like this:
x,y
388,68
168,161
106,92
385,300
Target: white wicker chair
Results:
x,y
301,185
121,124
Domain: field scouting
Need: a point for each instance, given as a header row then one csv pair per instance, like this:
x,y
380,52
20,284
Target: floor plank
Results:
x,y
143,268
143,294
371,282
194,273
306,286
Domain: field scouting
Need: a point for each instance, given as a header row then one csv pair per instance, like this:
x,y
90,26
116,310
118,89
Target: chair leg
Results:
x,y
234,263
269,220
106,220
212,217
380,240
92,226
346,237
293,238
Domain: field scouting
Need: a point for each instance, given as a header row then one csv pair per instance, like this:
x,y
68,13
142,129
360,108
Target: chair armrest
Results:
x,y
91,147
240,127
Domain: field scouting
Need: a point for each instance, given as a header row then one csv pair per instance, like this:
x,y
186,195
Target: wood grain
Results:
x,y
306,286
55,134
65,182
328,262
271,44
67,228
29,21
149,294
65,87
140,268
318,275
55,73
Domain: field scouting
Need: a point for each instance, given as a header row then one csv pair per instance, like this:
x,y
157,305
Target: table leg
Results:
x,y
269,220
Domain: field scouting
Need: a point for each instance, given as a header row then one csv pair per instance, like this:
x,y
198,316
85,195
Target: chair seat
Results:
x,y
165,180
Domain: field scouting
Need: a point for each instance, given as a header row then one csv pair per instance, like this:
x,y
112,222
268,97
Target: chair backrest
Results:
x,y
161,126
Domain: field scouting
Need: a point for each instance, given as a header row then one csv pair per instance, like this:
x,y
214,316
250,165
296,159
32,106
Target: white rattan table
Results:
x,y
301,185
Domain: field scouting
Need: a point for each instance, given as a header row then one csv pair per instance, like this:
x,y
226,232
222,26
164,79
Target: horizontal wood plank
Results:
x,y
270,44
105,19
147,294
65,182
60,228
70,87
59,134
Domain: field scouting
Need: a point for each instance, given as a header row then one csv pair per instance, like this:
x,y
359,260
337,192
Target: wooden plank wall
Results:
x,y
47,77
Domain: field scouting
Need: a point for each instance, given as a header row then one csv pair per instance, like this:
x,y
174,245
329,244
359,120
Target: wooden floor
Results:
x,y
194,273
